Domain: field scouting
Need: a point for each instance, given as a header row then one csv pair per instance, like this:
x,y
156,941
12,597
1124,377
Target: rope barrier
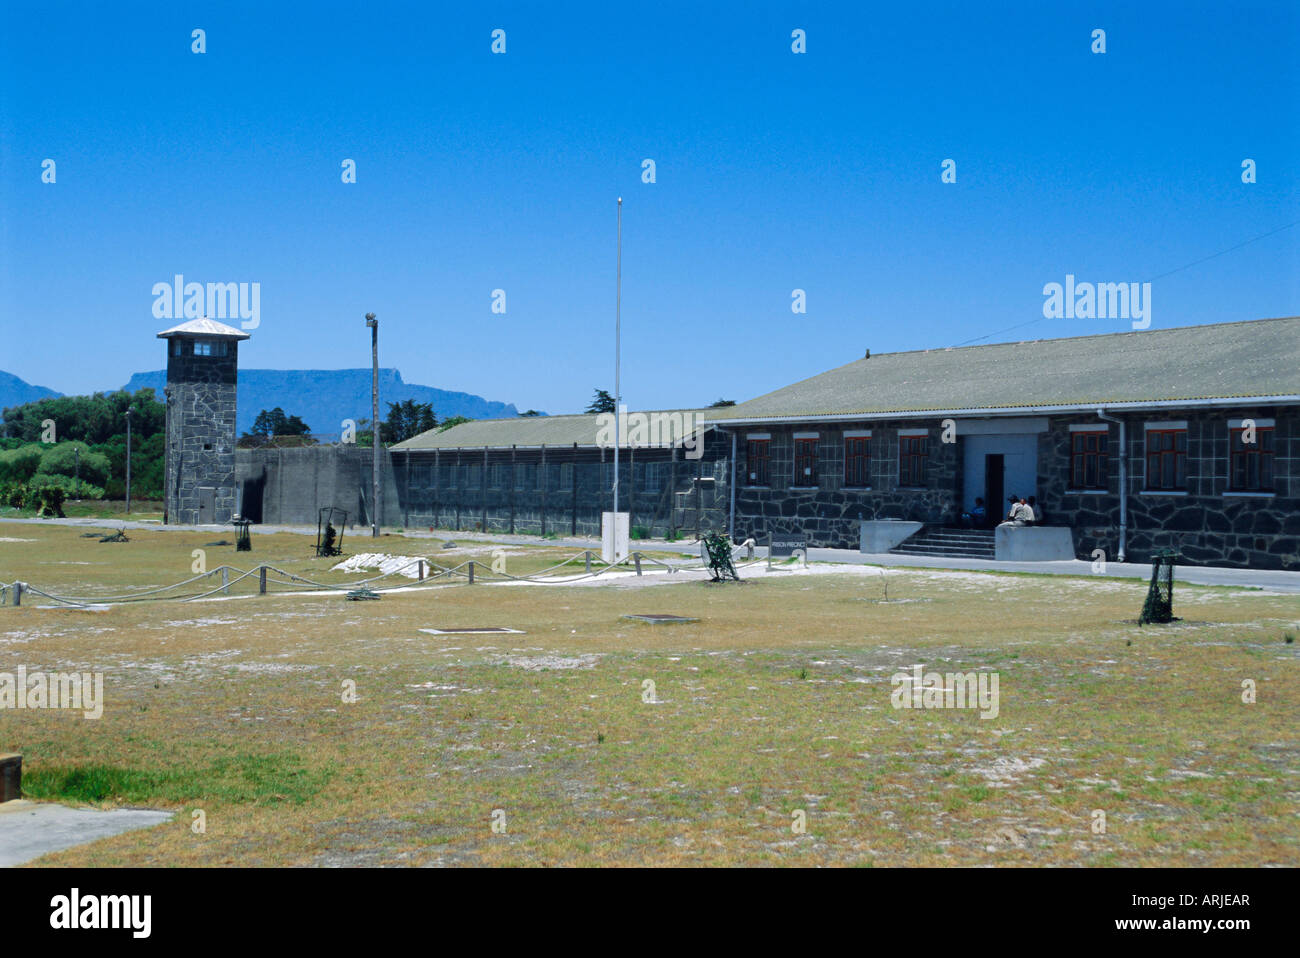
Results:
x,y
293,580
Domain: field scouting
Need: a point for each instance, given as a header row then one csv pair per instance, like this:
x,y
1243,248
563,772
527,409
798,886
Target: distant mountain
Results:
x,y
15,392
323,398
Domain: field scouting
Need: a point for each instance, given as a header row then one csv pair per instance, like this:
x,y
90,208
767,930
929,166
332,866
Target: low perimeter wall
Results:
x,y
1033,543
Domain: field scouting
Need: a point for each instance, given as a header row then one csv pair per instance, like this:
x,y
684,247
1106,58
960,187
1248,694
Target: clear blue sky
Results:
x,y
775,171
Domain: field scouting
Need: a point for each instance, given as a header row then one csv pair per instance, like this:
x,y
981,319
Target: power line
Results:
x,y
1197,262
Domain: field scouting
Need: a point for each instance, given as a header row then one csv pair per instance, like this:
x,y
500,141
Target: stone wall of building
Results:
x,y
1206,525
828,514
200,451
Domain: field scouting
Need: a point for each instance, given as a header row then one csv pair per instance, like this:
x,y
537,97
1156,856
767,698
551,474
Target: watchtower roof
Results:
x,y
208,328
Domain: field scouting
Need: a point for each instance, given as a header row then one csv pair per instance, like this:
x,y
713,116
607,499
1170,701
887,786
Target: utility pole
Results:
x,y
374,424
618,337
128,459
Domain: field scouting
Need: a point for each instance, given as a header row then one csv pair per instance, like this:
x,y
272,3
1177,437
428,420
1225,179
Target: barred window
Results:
x,y
758,458
912,453
1251,466
1167,459
805,462
857,461
1088,456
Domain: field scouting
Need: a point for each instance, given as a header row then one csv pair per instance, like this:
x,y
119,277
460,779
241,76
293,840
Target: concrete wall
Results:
x,y
560,490
296,483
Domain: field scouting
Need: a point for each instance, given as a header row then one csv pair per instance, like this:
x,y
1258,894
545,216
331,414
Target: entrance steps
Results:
x,y
952,543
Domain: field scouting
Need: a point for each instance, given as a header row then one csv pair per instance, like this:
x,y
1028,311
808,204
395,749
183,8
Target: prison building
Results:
x,y
555,475
1185,438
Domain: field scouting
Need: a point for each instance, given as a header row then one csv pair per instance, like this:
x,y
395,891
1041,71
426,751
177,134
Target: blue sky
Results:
x,y
774,171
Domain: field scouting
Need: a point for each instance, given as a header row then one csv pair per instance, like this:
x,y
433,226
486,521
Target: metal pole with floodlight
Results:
x,y
128,459
618,335
374,425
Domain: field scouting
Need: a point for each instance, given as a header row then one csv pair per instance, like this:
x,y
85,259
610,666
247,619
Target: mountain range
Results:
x,y
15,392
322,398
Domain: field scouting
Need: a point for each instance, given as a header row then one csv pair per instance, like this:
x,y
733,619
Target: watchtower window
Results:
x,y
209,347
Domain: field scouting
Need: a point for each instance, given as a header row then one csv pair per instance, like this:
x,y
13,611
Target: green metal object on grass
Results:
x,y
1159,604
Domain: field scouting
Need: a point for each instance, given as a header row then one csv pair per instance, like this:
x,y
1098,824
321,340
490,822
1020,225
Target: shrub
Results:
x,y
51,499
12,494
75,459
71,488
19,465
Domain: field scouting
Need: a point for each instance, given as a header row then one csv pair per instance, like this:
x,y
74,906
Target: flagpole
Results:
x,y
618,337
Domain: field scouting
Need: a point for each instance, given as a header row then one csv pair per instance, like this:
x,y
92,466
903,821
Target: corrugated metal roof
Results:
x,y
531,431
204,327
1220,361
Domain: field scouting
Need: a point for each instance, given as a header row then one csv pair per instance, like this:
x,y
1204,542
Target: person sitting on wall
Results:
x,y
1037,510
1020,514
977,517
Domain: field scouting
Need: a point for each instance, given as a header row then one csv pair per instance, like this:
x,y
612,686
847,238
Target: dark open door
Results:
x,y
994,488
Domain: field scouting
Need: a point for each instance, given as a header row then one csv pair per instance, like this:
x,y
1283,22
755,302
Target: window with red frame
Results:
x,y
1251,466
857,461
1167,459
758,458
1088,451
805,462
912,453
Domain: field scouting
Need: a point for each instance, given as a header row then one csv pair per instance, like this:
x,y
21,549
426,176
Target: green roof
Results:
x,y
1245,360
527,431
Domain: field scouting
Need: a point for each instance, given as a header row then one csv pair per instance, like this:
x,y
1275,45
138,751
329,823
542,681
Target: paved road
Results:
x,y
1274,580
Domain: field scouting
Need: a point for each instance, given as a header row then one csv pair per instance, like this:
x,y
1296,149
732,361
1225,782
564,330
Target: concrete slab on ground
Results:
x,y
29,830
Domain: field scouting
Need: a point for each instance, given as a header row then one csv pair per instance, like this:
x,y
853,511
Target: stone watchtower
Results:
x,y
202,366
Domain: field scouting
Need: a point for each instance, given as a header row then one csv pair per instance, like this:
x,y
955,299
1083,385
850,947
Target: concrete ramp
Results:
x,y
881,535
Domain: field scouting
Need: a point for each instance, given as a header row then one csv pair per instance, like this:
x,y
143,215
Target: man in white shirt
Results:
x,y
1020,514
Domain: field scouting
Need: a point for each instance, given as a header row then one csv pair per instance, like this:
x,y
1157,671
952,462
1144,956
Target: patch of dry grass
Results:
x,y
777,700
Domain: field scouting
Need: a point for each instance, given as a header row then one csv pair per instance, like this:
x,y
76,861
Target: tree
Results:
x,y
601,402
530,412
275,423
19,465
722,402
75,459
92,419
453,421
406,420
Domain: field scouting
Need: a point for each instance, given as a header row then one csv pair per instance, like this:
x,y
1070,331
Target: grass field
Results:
x,y
777,701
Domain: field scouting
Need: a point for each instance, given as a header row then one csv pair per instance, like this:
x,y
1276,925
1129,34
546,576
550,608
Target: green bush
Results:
x,y
19,465
71,488
75,459
51,500
13,494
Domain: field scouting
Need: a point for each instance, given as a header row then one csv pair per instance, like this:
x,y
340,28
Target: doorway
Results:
x,y
994,486
207,505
